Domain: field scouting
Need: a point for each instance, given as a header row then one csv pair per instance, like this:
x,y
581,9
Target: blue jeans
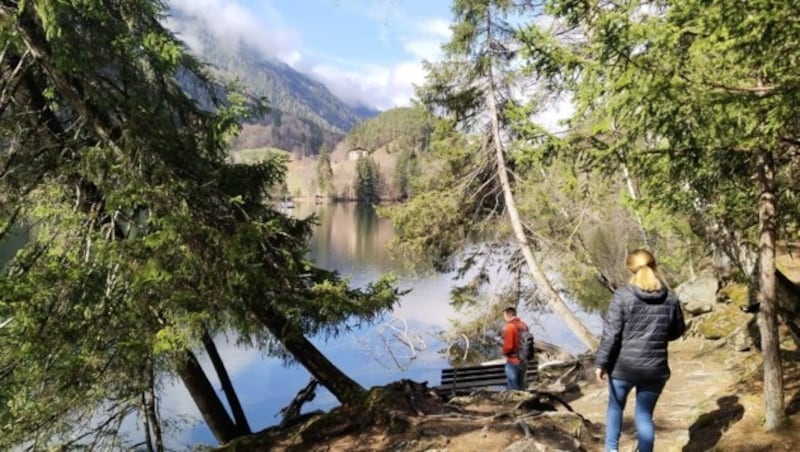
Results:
x,y
515,376
646,397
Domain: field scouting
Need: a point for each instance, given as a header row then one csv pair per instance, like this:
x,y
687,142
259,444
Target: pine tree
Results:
x,y
474,87
367,180
699,100
143,242
324,171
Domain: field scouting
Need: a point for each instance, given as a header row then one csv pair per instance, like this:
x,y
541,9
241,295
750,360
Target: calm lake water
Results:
x,y
352,240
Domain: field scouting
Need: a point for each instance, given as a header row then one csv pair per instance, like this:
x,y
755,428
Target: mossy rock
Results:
x,y
569,424
722,322
737,294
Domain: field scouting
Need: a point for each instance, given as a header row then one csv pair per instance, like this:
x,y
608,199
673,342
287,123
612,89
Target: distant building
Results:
x,y
356,153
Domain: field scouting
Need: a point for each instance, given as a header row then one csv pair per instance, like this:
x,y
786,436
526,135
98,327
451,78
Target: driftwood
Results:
x,y
559,371
292,410
551,350
548,353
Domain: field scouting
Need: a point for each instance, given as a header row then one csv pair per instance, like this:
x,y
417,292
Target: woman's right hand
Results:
x,y
600,374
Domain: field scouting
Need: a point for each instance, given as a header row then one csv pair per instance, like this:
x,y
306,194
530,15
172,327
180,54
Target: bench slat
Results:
x,y
448,381
471,371
480,378
481,370
474,384
461,378
460,375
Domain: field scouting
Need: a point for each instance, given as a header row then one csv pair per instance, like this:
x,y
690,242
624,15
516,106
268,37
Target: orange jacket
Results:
x,y
511,339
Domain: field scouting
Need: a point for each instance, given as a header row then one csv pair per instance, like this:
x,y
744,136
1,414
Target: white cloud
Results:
x,y
370,84
425,41
390,86
424,49
379,85
437,27
233,24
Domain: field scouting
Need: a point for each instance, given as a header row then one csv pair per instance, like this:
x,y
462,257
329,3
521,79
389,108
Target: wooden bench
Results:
x,y
465,379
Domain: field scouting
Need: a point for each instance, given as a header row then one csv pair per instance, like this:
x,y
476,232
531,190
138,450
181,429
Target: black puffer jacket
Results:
x,y
636,330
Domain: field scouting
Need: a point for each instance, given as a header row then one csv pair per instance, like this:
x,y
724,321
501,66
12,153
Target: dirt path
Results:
x,y
700,386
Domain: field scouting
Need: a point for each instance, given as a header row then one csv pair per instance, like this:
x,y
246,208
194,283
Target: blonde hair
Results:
x,y
645,273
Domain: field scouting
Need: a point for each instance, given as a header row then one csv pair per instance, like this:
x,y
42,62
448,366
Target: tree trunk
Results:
x,y
634,194
224,379
206,399
345,389
152,409
774,413
554,300
632,190
148,441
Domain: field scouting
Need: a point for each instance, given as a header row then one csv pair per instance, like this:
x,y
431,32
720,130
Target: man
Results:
x,y
515,367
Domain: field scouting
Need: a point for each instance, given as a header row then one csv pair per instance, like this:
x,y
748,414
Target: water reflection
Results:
x,y
351,240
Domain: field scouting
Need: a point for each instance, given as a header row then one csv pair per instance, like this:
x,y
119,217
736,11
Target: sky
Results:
x,y
368,52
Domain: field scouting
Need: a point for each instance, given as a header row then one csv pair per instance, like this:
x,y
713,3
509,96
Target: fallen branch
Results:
x,y
292,410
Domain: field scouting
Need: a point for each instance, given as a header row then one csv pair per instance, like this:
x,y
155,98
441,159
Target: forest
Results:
x,y
142,240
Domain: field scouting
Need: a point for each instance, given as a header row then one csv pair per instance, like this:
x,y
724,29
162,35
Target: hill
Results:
x,y
304,113
397,129
393,140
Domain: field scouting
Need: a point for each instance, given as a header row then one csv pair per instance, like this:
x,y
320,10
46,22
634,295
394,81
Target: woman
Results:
x,y
643,316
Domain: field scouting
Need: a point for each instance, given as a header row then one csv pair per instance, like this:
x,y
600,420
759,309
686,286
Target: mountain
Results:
x,y
365,112
396,129
304,113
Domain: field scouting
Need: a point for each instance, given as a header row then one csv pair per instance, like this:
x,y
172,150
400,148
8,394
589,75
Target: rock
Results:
x,y
698,295
571,425
480,395
747,337
553,431
462,400
526,445
721,323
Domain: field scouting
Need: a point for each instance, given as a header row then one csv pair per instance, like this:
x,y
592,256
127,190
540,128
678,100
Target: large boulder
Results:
x,y
699,294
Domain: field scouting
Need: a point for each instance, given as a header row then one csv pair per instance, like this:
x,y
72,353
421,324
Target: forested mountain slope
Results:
x,y
304,113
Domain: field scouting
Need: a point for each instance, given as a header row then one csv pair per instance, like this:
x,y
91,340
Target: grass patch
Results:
x,y
256,155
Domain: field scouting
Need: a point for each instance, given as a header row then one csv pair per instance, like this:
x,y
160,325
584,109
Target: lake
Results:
x,y
352,240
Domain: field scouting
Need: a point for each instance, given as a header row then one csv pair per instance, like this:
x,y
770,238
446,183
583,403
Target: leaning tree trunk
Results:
x,y
767,295
205,397
345,389
151,411
227,385
542,283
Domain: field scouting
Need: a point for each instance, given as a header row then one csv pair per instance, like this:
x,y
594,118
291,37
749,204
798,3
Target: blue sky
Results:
x,y
366,51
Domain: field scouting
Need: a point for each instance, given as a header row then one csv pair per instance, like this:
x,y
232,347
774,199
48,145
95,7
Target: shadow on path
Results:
x,y
707,430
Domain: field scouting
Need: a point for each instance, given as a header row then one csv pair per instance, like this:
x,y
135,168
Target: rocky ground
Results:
x,y
711,403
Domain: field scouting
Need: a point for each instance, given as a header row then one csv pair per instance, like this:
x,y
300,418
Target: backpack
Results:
x,y
525,350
